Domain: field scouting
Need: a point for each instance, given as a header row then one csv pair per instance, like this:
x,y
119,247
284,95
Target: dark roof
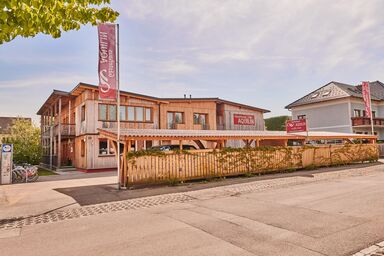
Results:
x,y
7,122
336,90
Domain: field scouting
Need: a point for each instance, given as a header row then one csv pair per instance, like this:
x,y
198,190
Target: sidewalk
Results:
x,y
18,200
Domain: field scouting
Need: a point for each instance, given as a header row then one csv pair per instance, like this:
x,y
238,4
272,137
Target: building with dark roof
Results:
x,y
339,107
70,123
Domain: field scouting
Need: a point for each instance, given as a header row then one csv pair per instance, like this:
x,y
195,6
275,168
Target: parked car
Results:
x,y
172,147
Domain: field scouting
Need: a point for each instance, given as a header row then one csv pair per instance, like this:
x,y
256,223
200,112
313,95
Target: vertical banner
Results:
x,y
6,163
107,61
367,98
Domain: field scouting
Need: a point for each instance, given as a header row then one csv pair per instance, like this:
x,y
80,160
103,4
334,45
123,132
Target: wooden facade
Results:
x,y
70,123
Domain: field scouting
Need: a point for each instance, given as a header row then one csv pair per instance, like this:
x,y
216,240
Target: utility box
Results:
x,y
6,164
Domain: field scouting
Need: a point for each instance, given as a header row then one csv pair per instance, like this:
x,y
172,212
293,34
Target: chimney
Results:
x,y
185,96
190,96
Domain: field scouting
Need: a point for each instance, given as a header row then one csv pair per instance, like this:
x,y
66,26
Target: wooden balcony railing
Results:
x,y
66,130
363,121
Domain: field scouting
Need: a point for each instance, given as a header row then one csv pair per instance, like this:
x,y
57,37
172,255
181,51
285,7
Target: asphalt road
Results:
x,y
333,213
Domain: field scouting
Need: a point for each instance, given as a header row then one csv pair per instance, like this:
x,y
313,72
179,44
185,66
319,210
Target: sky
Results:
x,y
262,53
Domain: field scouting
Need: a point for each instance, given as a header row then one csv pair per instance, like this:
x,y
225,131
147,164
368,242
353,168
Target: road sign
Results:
x,y
6,164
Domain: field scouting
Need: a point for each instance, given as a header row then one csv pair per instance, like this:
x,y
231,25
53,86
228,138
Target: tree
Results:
x,y
276,123
27,18
25,138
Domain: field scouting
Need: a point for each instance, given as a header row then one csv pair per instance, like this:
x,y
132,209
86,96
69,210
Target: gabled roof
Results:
x,y
51,99
336,90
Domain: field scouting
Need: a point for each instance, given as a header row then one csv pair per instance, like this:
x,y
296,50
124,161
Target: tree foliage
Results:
x,y
276,123
25,138
27,18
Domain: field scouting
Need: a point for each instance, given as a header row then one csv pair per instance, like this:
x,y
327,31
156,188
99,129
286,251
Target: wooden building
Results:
x,y
70,123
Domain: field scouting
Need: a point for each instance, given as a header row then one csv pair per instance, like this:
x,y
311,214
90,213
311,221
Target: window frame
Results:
x,y
82,148
198,118
174,115
82,113
126,113
301,117
109,147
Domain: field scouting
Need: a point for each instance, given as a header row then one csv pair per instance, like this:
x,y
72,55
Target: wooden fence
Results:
x,y
201,164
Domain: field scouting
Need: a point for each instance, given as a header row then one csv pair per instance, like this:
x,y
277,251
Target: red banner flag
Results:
x,y
299,125
367,98
107,61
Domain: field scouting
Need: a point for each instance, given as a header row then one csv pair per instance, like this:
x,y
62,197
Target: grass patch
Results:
x,y
43,172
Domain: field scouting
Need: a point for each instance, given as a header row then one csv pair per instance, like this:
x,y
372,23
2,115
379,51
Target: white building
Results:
x,y
339,107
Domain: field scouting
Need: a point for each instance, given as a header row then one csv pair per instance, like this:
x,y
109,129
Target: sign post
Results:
x,y
109,86
6,163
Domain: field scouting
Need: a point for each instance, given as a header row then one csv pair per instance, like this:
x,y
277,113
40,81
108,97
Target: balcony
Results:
x,y
66,130
366,121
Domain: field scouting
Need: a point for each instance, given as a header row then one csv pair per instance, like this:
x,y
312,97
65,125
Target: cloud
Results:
x,y
317,35
173,67
53,81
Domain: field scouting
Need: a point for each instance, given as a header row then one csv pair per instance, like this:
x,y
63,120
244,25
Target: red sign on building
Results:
x,y
296,125
241,119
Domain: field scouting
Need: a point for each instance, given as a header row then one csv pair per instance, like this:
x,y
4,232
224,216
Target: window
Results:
x,y
139,111
301,117
314,95
131,114
364,113
148,114
123,116
373,114
112,113
82,113
103,147
326,93
200,118
356,113
178,118
108,112
174,118
106,148
102,112
82,148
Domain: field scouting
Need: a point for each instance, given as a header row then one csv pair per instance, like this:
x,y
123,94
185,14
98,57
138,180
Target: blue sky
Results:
x,y
262,53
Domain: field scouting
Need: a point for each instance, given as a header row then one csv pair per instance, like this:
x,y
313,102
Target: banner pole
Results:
x,y
118,107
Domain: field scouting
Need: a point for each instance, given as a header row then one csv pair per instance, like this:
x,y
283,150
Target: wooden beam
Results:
x,y
181,145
